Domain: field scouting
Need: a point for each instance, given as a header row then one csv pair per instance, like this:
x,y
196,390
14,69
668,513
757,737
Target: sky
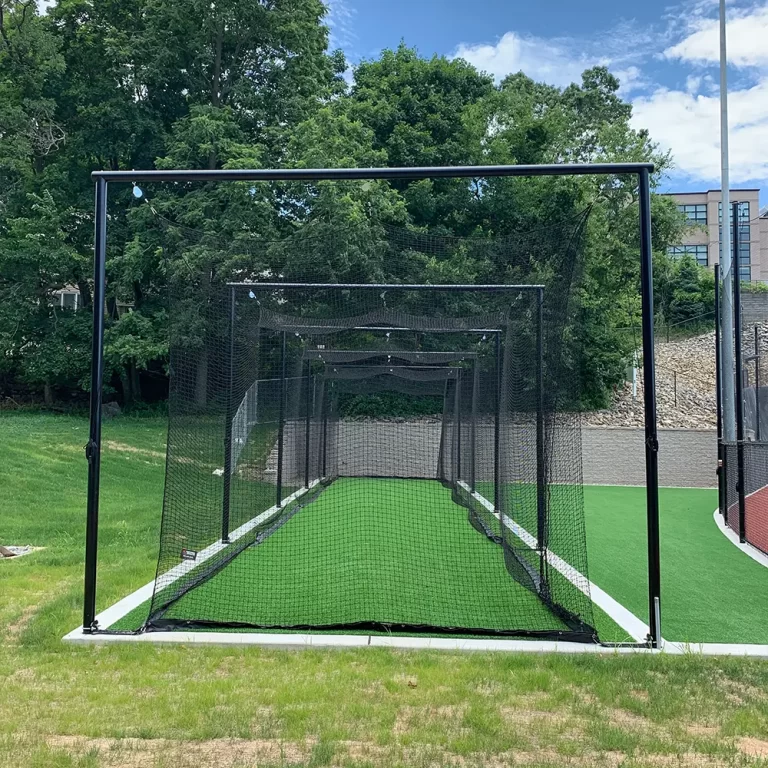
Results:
x,y
666,57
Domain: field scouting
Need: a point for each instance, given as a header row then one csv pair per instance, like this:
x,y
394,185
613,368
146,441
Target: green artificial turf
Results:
x,y
390,551
710,591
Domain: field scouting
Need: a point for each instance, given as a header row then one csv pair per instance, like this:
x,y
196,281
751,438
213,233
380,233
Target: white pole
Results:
x,y
726,262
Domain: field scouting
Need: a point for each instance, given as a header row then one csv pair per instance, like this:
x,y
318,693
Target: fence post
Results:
x,y
497,504
541,458
228,425
307,422
651,428
741,489
281,426
721,476
93,449
473,426
757,383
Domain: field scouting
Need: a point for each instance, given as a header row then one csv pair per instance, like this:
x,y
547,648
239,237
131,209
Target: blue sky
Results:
x,y
665,55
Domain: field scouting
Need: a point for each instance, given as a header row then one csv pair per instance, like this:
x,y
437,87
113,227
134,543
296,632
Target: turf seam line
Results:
x,y
627,620
733,537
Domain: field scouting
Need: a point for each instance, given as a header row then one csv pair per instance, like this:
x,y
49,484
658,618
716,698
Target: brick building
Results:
x,y
702,239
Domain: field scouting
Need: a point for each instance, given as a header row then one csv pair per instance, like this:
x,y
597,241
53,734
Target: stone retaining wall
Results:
x,y
616,456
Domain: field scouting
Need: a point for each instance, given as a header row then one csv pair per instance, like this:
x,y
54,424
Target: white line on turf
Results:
x,y
733,537
632,625
122,608
627,620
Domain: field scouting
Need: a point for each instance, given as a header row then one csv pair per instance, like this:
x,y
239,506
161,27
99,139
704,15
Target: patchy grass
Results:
x,y
234,707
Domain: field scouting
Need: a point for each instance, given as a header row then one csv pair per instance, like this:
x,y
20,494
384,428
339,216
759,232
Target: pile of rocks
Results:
x,y
685,388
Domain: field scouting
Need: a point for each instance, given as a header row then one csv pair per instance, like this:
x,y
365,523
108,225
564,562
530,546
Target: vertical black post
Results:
x,y
741,487
651,433
228,424
721,476
307,422
457,398
281,425
93,449
497,502
473,426
326,395
541,479
757,383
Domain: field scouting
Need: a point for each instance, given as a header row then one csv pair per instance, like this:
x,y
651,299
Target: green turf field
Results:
x,y
339,564
711,592
389,551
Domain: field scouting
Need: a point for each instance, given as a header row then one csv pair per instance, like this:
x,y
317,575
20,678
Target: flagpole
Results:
x,y
726,262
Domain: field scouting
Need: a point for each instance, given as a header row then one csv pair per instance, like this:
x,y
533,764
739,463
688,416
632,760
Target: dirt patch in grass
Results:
x,y
113,445
737,692
684,760
233,753
628,721
17,627
752,747
215,753
410,718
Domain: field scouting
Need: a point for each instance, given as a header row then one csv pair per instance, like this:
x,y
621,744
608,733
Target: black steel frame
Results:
x,y
739,393
721,455
642,172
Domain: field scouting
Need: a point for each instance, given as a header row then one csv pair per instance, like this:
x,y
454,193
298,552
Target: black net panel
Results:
x,y
753,453
379,458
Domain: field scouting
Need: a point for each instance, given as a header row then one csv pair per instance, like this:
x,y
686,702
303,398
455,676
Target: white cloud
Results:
x,y
561,61
341,22
688,124
549,61
631,79
747,35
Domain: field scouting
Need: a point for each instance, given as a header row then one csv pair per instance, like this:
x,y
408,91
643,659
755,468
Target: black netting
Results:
x,y
748,518
382,458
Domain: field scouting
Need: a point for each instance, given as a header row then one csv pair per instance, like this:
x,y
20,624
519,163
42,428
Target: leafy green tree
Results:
x,y
45,345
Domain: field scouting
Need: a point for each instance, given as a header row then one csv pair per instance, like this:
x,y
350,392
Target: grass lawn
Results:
x,y
183,706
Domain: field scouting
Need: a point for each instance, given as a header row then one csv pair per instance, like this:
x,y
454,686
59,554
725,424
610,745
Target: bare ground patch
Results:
x,y
113,445
215,753
15,628
235,753
621,718
752,747
410,718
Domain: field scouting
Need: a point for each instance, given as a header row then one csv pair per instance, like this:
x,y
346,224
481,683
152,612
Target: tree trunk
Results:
x,y
133,374
85,293
125,380
48,393
201,379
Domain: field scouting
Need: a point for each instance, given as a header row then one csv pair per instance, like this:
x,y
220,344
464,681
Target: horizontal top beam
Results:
x,y
390,286
320,174
388,328
321,354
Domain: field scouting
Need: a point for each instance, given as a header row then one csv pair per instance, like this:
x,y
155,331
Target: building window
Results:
x,y
745,252
696,214
699,252
743,213
69,300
